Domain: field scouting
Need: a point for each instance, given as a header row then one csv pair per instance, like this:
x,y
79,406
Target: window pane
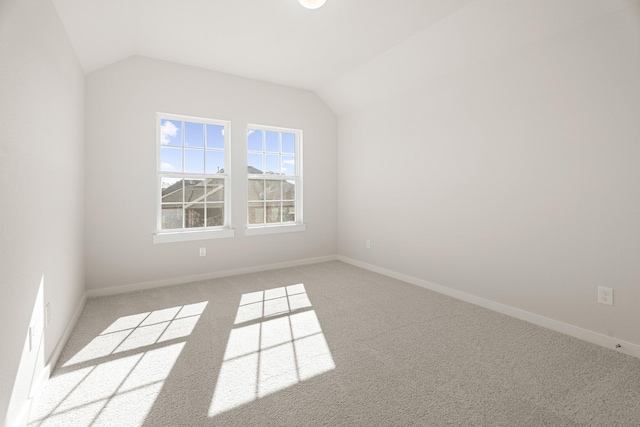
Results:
x,y
215,162
289,211
171,190
256,189
194,215
273,212
215,136
171,159
272,142
193,161
171,216
254,162
215,214
273,164
273,190
170,132
193,134
254,138
288,165
193,190
288,143
215,190
273,155
288,190
191,154
256,213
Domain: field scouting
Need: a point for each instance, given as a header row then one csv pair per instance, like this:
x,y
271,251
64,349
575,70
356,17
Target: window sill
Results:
x,y
185,236
275,229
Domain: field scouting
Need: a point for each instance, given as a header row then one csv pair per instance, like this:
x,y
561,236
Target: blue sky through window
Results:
x,y
200,156
288,143
272,142
215,136
170,132
263,146
273,163
193,134
171,159
288,165
214,161
254,138
255,160
193,161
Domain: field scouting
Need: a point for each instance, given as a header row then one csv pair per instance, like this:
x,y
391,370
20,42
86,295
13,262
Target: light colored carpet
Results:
x,y
326,344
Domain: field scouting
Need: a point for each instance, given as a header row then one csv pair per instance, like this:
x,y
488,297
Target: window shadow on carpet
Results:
x,y
276,342
120,371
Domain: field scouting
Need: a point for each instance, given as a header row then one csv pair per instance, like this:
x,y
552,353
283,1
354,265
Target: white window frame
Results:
x,y
273,228
201,233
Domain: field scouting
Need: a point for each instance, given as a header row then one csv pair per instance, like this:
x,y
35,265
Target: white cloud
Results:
x,y
250,131
289,162
166,166
167,130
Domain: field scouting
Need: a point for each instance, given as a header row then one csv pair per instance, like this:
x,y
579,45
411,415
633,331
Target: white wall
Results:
x,y
512,176
122,101
41,192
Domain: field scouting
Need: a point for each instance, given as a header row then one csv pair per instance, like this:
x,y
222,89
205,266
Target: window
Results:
x,y
193,178
274,170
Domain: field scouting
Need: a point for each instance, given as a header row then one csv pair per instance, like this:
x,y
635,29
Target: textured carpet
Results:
x,y
326,344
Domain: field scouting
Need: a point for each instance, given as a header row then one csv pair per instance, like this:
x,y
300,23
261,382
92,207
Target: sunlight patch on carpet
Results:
x,y
265,357
120,373
138,330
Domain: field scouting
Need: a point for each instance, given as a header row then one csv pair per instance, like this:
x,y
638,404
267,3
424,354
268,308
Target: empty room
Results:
x,y
319,213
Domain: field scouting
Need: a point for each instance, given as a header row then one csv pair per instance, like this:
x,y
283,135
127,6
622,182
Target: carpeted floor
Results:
x,y
326,344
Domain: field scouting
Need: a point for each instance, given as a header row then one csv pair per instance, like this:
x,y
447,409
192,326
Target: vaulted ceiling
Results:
x,y
277,41
350,52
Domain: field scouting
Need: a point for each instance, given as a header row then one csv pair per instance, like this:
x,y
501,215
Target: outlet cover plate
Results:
x,y
605,295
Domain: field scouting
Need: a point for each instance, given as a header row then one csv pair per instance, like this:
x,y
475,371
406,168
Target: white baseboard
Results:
x,y
92,293
45,373
57,351
555,325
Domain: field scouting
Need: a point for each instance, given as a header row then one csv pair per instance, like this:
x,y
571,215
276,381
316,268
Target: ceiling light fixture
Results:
x,y
312,4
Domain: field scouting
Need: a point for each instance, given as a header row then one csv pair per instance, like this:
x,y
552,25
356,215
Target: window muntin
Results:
x,y
274,171
193,179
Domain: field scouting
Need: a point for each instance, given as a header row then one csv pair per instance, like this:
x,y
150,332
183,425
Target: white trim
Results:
x,y
274,229
57,351
270,128
555,325
93,293
300,181
182,118
185,236
45,373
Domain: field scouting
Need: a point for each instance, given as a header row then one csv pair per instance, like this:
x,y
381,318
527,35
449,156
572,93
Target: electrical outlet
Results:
x,y
203,251
367,244
605,295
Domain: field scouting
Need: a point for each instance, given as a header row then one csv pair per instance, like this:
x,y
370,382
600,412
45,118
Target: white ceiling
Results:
x,y
350,52
271,40
481,32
